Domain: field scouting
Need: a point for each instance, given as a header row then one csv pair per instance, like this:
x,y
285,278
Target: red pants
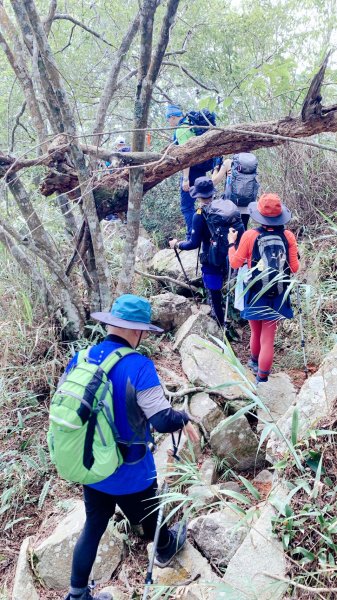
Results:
x,y
262,336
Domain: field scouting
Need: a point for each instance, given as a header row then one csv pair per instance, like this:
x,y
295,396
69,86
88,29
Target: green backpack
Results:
x,y
82,436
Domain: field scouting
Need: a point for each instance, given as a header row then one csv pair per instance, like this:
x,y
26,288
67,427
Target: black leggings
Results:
x,y
99,508
214,298
245,219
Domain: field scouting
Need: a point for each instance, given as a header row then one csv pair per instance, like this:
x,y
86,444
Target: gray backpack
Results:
x,y
243,185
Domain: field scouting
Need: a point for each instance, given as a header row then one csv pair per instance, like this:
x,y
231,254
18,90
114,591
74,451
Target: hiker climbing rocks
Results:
x,y
138,400
210,226
240,176
176,118
271,251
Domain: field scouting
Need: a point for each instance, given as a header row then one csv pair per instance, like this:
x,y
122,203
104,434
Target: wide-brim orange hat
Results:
x,y
269,210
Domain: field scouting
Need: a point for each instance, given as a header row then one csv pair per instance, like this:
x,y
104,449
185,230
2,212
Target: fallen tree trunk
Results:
x,y
111,191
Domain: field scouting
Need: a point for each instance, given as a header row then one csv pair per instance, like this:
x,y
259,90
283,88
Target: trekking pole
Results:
x,y
300,318
186,276
226,322
172,454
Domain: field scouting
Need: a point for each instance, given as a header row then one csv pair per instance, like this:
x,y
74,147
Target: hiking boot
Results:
x,y
164,555
253,365
86,595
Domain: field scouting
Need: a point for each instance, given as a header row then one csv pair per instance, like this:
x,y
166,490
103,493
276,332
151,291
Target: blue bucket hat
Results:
x,y
173,110
203,188
129,312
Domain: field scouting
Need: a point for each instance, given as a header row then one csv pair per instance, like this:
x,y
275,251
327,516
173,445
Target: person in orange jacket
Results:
x,y
265,303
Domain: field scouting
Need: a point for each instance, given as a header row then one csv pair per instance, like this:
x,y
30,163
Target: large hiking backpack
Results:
x,y
243,185
220,215
82,436
200,119
270,257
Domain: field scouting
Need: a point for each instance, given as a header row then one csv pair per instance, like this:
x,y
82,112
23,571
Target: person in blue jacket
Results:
x,y
182,134
213,276
138,402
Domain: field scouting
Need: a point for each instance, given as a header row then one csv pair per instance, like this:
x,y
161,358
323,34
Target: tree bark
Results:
x,y
149,67
101,295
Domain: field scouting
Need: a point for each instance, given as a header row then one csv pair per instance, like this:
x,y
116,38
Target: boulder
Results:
x,y
208,472
200,324
315,400
24,588
218,535
204,408
165,262
277,394
204,364
260,553
54,554
145,249
187,565
170,310
236,443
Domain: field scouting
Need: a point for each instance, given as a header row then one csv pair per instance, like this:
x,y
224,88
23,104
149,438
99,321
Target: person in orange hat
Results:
x,y
271,253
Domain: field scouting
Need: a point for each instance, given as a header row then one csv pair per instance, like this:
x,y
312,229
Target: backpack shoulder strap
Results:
x,y
114,357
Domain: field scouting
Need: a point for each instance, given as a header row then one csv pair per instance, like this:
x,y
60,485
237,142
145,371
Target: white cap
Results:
x,y
120,140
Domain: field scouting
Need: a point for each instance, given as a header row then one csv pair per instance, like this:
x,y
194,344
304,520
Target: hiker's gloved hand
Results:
x,y
191,432
186,185
172,243
232,235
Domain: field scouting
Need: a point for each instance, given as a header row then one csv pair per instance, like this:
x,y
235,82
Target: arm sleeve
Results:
x,y
169,420
238,257
294,263
196,235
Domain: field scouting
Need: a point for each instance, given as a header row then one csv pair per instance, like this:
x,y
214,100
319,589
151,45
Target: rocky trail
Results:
x,y
228,486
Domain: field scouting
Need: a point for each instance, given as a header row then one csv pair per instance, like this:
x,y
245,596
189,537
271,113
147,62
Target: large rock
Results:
x,y
204,364
145,249
170,310
24,582
277,394
54,554
199,324
208,471
187,565
237,443
165,262
260,553
204,408
316,399
218,535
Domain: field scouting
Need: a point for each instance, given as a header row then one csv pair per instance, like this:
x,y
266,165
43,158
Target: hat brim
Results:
x,y
108,319
195,194
281,219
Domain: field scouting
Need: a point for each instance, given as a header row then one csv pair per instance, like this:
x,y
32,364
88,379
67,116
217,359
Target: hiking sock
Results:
x,y
262,376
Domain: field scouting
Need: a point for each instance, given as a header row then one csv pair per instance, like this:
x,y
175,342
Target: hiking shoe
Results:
x,y
164,555
259,379
253,365
86,595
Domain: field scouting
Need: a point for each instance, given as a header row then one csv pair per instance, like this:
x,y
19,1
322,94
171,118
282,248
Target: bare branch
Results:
x,y
166,278
197,81
66,17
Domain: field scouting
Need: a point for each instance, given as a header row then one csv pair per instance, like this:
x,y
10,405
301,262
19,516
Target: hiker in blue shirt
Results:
x,y
175,118
213,276
138,401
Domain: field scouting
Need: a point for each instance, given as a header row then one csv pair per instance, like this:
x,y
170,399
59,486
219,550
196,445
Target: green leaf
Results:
x,y
249,486
294,427
44,493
